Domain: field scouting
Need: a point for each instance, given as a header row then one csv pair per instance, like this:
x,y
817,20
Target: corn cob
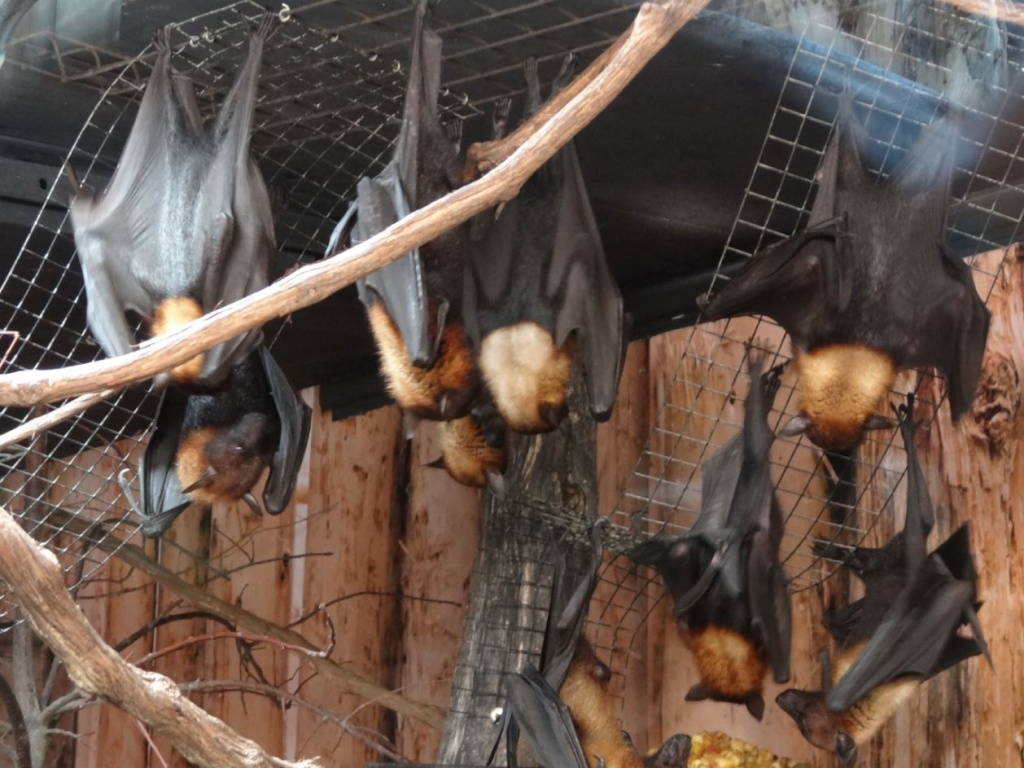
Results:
x,y
717,750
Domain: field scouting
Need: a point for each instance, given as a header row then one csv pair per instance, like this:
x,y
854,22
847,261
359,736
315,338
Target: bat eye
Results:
x,y
239,447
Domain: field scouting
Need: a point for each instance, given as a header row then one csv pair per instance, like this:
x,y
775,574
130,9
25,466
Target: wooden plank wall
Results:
x,y
385,545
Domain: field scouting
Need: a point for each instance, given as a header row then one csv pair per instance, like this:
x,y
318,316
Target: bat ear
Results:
x,y
699,692
846,748
795,426
437,463
205,480
755,706
674,753
877,421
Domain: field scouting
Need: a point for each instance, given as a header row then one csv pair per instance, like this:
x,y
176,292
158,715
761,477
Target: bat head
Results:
x,y
674,753
528,376
223,464
816,724
842,389
471,456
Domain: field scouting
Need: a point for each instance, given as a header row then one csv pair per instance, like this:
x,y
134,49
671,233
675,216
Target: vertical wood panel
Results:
x,y
439,544
353,480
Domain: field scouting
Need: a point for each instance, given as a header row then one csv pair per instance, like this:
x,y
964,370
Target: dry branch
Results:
x,y
34,576
52,418
654,26
1002,10
347,680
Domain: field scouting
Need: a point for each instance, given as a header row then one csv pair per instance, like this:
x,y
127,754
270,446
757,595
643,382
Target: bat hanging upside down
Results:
x,y
185,226
540,296
414,303
868,288
904,630
731,595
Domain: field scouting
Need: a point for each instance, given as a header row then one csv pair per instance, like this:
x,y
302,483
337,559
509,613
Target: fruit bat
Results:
x,y
867,288
214,447
473,448
414,302
185,225
539,295
11,13
576,727
731,594
901,633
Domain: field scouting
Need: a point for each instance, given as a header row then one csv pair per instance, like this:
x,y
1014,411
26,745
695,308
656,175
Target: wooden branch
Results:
x,y
347,680
277,694
35,578
52,418
653,27
1007,12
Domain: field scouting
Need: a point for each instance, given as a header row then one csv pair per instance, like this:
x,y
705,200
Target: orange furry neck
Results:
x,y
440,392
191,465
170,315
841,385
727,661
527,375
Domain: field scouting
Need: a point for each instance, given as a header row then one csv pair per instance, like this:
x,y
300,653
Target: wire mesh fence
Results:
x,y
331,90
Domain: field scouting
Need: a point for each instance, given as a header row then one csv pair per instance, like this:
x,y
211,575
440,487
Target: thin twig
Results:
x,y
52,418
35,577
141,632
277,694
654,26
346,680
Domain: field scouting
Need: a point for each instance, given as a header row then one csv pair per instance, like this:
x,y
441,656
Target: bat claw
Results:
x,y
126,489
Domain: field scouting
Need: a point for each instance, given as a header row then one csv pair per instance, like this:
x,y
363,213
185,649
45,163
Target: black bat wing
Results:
x,y
736,487
117,234
770,610
949,318
162,496
237,196
544,720
682,562
920,514
755,508
587,298
912,639
295,418
569,605
802,282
